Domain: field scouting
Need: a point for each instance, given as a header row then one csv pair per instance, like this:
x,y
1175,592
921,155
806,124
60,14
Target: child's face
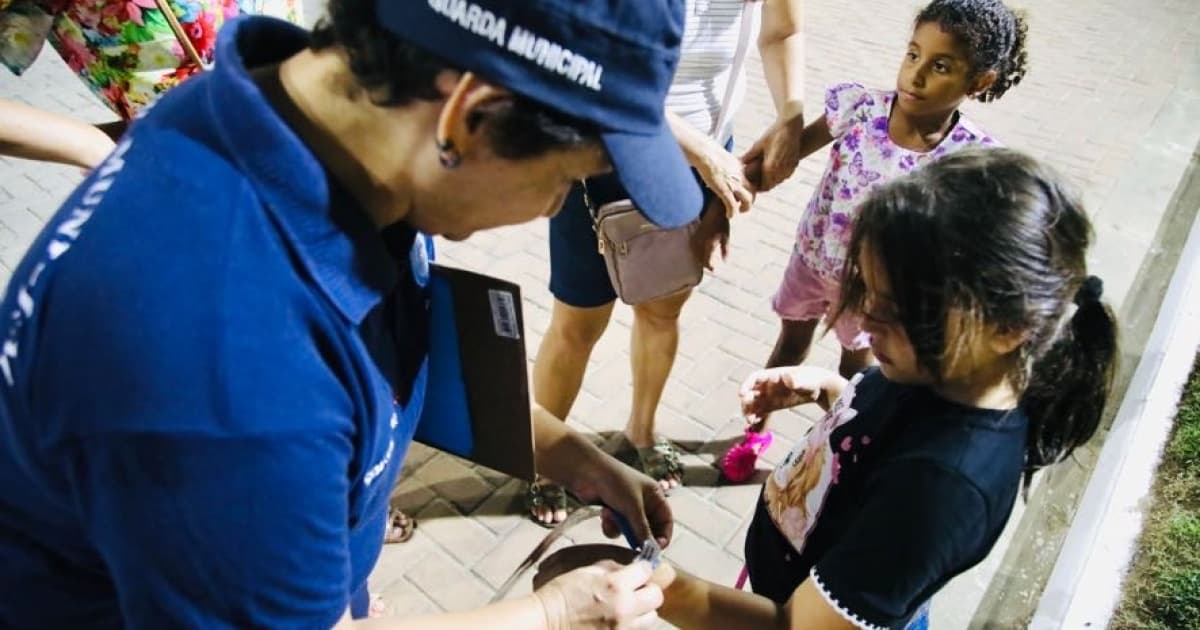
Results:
x,y
980,347
881,319
935,75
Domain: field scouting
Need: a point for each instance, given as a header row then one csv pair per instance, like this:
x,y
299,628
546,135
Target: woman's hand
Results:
x,y
604,594
722,172
774,156
632,494
773,389
725,175
594,476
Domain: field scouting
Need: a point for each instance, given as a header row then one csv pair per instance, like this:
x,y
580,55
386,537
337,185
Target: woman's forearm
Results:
x,y
33,134
561,454
781,45
691,140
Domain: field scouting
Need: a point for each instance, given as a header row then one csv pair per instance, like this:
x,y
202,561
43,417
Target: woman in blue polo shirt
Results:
x,y
215,351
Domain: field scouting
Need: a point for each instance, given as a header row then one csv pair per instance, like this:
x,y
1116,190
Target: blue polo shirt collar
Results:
x,y
331,235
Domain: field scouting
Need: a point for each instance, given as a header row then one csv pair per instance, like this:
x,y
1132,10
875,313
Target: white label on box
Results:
x,y
504,314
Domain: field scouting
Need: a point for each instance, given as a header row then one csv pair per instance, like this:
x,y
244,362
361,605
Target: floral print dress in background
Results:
x,y
124,50
862,158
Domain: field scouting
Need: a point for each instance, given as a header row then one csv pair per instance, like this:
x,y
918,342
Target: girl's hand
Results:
x,y
773,389
602,595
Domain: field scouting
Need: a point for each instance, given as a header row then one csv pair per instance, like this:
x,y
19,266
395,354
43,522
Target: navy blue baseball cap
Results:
x,y
606,62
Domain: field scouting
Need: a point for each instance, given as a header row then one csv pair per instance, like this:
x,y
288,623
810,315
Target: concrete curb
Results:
x,y
1085,585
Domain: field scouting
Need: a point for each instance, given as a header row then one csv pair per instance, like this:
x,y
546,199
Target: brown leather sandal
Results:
x,y
400,527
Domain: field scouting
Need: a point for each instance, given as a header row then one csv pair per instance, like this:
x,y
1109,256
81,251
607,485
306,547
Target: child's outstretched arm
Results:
x,y
816,135
773,389
781,46
690,602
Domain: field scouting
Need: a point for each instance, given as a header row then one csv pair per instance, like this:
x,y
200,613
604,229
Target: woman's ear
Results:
x,y
466,96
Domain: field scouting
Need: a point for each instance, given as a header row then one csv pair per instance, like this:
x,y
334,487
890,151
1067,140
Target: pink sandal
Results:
x,y
739,461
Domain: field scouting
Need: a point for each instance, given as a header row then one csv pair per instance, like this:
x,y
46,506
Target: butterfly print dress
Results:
x,y
862,157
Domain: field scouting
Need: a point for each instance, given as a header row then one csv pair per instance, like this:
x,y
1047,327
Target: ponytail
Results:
x,y
1012,68
1015,64
1069,385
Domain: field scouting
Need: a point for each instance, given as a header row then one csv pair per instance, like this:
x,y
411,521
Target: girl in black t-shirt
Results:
x,y
964,273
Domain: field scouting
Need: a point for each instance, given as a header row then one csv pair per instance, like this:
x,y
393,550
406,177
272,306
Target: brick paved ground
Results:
x,y
1104,72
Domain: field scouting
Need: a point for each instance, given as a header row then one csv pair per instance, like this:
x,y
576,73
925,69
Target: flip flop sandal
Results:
x,y
400,527
739,462
544,494
661,461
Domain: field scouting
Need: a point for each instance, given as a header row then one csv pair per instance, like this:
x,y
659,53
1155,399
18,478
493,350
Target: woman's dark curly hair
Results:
x,y
992,34
394,72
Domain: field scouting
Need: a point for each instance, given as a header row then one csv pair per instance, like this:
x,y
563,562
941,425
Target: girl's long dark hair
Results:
x,y
991,237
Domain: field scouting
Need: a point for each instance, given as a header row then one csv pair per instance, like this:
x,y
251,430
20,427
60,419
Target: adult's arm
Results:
x,y
774,156
567,457
34,134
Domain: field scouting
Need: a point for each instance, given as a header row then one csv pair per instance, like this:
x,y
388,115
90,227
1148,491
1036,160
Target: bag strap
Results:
x,y
588,203
739,60
164,6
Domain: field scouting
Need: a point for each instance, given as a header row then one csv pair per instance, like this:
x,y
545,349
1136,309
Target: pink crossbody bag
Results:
x,y
646,262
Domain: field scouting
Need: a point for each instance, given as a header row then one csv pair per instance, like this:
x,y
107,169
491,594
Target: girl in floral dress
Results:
x,y
959,49
125,51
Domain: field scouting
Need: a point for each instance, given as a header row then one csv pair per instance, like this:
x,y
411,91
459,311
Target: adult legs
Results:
x,y
652,352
